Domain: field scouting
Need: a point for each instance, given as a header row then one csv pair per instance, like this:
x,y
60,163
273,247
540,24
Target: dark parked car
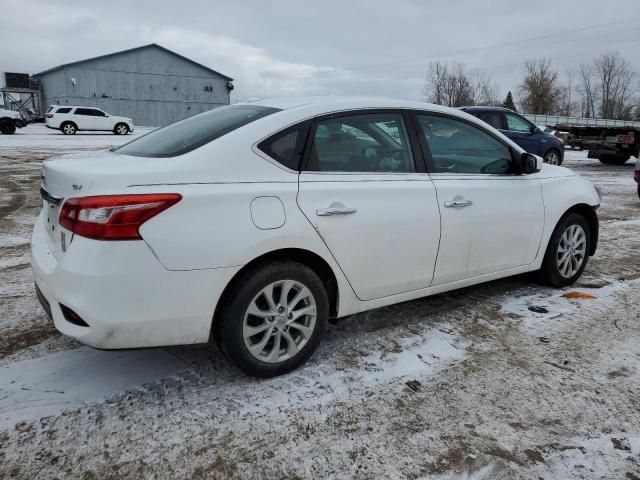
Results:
x,y
521,131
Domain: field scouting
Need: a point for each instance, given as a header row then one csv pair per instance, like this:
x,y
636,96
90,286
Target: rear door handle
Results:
x,y
458,203
335,210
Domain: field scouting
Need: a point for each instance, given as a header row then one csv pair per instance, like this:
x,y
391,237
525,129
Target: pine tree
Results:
x,y
508,102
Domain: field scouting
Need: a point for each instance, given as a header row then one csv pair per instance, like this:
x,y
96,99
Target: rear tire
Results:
x,y
266,338
121,129
7,127
68,128
567,252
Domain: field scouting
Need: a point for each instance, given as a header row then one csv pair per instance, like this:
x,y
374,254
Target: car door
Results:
x,y
492,217
364,188
522,132
101,121
84,119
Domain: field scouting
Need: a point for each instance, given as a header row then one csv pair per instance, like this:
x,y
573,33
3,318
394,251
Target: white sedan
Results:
x,y
251,224
71,119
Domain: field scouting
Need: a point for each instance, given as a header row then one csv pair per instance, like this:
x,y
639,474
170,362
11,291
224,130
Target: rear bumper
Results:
x,y
123,293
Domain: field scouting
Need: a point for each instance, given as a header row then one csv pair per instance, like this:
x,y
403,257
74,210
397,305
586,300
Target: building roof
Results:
x,y
151,45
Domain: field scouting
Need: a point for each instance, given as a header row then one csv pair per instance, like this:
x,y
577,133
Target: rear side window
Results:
x,y
187,135
286,147
63,110
90,112
492,118
362,142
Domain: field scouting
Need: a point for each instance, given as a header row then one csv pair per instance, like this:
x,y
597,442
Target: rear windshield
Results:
x,y
187,135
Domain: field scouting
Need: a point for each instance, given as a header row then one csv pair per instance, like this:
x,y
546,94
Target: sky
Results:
x,y
329,47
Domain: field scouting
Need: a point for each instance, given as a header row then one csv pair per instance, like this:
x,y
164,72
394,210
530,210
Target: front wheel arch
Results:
x,y
305,257
556,151
589,213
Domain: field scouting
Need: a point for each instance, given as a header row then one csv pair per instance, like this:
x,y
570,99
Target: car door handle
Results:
x,y
458,203
327,212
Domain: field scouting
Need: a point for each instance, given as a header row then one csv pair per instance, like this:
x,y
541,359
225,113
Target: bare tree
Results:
x,y
540,91
608,88
615,86
454,86
587,90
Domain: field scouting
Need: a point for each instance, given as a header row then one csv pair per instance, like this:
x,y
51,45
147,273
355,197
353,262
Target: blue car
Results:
x,y
522,132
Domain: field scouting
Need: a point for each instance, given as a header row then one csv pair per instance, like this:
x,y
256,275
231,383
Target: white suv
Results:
x,y
70,119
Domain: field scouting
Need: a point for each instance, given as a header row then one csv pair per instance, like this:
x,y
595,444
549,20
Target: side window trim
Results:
x,y
418,160
427,150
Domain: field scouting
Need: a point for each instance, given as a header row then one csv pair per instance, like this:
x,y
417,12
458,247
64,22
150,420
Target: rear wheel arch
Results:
x,y
66,122
305,257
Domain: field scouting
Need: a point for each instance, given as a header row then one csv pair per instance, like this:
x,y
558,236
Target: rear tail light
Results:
x,y
113,217
626,139
49,115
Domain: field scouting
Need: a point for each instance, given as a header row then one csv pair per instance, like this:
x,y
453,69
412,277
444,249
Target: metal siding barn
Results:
x,y
150,84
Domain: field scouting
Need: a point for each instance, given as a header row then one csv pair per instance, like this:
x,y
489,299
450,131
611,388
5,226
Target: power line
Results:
x,y
444,55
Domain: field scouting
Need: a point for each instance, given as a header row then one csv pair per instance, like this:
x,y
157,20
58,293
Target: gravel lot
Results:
x,y
503,380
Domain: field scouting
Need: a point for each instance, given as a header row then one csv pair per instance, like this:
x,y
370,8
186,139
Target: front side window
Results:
x,y
368,142
187,135
517,124
457,147
63,110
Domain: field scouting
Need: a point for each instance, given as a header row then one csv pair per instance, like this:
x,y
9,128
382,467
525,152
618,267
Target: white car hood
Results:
x,y
555,171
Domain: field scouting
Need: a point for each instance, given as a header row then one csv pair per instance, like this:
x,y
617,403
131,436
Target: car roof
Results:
x,y
74,106
486,108
332,103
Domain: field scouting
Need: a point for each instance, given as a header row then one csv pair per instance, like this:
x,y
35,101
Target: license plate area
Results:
x,y
57,236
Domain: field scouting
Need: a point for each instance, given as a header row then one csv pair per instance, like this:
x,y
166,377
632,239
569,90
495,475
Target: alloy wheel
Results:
x,y
552,158
572,251
122,130
279,321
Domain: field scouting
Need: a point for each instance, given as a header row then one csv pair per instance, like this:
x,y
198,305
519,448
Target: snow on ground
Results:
x,y
40,138
498,381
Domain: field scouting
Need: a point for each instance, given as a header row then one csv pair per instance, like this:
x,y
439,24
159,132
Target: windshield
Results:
x,y
187,135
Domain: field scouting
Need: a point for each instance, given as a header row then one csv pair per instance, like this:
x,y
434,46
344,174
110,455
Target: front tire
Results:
x,y
553,157
274,321
68,128
568,251
121,129
7,127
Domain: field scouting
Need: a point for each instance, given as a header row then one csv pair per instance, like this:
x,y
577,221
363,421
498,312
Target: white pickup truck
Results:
x,y
9,121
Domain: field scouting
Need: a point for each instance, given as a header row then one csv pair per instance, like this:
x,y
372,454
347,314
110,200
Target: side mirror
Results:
x,y
530,163
535,130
